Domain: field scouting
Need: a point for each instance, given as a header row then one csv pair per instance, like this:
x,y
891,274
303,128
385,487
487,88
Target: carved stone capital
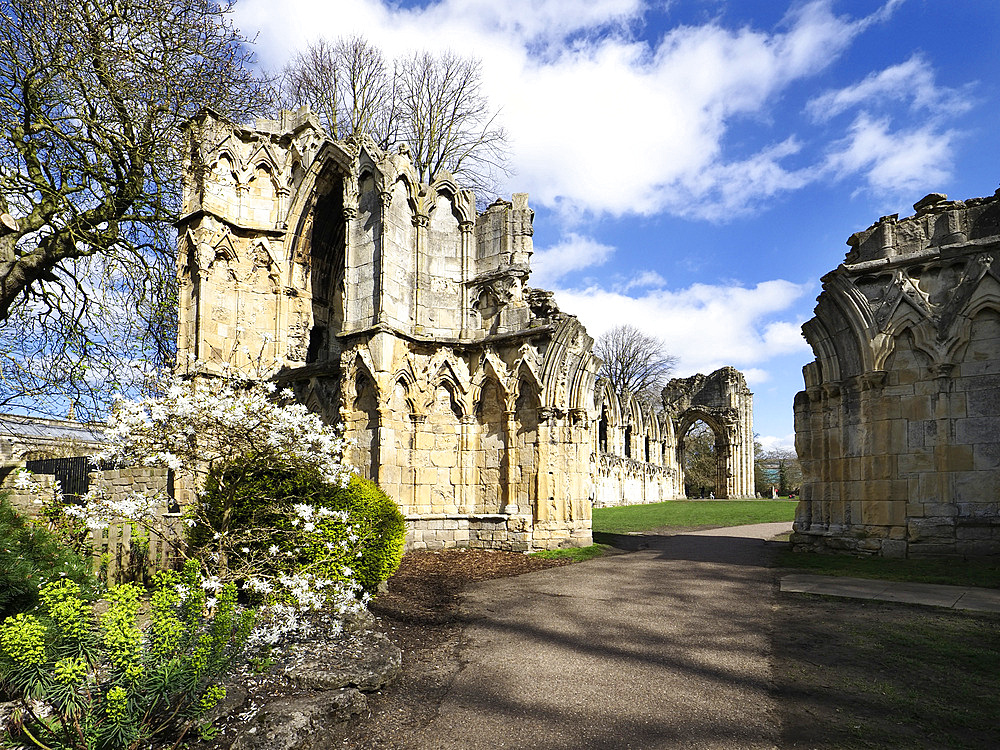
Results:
x,y
872,380
421,220
943,370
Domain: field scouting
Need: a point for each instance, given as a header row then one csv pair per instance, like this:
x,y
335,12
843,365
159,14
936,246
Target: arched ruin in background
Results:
x,y
722,401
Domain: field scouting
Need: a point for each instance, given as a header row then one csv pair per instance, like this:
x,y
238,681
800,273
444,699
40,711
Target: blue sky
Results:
x,y
697,165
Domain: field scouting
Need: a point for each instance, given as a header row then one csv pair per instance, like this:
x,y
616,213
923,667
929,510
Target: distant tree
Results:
x,y
700,461
433,103
93,94
778,468
634,362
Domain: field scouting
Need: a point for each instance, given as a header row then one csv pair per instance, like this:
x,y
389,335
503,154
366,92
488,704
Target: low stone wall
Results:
x,y
625,481
515,533
29,503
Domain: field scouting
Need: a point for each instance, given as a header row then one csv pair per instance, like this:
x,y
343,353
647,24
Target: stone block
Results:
x,y
976,430
915,462
978,547
894,548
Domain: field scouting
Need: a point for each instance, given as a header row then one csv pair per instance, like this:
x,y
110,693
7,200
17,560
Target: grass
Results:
x,y
985,573
576,554
690,513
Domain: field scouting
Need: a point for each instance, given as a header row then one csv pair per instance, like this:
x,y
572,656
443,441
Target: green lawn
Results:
x,y
952,572
689,513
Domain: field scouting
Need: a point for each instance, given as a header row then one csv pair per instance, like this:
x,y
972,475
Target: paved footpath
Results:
x,y
667,647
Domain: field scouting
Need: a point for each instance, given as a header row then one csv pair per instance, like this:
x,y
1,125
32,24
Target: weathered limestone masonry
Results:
x,y
395,308
898,429
639,453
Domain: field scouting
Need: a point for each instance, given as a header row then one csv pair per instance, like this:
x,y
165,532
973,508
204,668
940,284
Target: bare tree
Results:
x,y
92,97
634,362
433,103
700,461
348,84
446,119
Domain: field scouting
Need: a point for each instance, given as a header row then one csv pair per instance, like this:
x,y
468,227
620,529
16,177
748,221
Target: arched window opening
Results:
x,y
602,431
700,461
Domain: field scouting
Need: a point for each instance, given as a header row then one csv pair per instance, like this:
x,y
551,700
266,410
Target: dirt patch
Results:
x,y
420,613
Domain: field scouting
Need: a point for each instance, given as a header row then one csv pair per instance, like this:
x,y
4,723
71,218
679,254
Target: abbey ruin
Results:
x,y
898,428
401,311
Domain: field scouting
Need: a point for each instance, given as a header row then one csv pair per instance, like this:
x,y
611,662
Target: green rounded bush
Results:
x,y
263,498
383,530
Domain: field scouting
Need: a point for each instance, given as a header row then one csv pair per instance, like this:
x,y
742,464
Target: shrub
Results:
x,y
30,555
83,681
380,524
352,533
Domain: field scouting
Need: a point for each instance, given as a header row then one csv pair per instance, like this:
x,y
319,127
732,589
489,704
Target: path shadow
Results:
x,y
713,549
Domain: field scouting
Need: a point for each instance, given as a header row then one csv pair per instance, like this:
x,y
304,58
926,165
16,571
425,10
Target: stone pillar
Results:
x,y
420,222
421,493
510,462
466,499
283,195
385,444
350,216
468,259
243,210
385,201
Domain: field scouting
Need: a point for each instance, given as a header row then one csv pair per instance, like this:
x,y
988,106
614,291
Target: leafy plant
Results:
x,y
83,681
30,556
350,533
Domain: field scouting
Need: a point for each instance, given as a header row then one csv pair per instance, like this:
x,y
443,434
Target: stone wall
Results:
x,y
402,312
898,428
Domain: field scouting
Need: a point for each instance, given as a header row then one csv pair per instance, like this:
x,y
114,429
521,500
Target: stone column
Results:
x,y
468,259
350,216
385,201
420,222
466,499
243,211
283,193
384,444
547,487
421,493
510,462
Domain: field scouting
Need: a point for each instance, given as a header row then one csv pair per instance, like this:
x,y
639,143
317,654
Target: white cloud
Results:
x,y
706,326
773,442
600,121
900,161
572,254
642,280
755,376
912,81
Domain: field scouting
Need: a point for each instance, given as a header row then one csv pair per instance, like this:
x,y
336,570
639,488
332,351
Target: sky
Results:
x,y
696,166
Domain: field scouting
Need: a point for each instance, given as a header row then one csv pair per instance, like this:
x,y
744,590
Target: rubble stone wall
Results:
x,y
898,428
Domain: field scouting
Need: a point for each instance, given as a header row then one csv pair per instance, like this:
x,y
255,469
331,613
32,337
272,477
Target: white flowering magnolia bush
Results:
x,y
256,462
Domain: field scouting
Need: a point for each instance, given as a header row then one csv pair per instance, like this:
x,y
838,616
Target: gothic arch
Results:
x,y
724,402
